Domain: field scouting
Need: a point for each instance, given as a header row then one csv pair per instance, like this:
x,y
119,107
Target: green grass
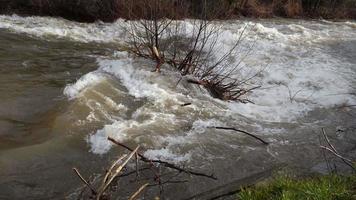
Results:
x,y
331,187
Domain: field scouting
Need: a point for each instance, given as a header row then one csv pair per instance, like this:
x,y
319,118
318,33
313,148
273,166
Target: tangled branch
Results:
x,y
164,163
115,172
192,52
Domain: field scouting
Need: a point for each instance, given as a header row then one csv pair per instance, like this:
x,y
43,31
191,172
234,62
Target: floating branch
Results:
x,y
164,163
241,131
185,104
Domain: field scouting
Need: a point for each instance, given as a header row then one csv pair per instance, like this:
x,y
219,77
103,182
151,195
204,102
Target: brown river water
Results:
x,y
65,87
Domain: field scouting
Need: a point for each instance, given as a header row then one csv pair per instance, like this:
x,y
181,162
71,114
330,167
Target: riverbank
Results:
x,y
316,187
110,10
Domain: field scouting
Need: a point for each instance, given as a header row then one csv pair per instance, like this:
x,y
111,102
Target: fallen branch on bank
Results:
x,y
241,131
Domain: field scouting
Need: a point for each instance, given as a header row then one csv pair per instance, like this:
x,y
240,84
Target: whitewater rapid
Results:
x,y
301,71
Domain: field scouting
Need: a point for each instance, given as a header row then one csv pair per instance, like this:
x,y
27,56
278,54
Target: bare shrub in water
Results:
x,y
191,48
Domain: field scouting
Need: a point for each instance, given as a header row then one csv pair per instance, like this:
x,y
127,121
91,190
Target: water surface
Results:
x,y
66,87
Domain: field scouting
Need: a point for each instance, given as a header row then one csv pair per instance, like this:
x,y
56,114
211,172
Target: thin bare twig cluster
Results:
x,y
192,50
330,148
101,189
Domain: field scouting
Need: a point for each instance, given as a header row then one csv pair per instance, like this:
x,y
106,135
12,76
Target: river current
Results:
x,y
67,86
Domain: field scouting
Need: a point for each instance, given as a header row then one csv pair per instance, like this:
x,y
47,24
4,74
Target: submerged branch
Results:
x,y
164,163
241,131
333,150
111,174
138,192
84,181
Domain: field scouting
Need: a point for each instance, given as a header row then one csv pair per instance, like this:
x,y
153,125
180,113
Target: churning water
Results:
x,y
66,87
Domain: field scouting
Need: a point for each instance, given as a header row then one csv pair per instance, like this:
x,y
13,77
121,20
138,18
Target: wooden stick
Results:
x,y
241,131
138,192
185,104
345,160
134,171
336,154
84,181
116,172
327,140
136,162
346,106
107,175
333,150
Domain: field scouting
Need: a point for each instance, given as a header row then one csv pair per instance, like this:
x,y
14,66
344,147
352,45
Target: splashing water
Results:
x,y
309,70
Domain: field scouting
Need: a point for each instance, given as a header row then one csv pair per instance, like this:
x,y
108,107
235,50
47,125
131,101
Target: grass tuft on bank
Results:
x,y
331,187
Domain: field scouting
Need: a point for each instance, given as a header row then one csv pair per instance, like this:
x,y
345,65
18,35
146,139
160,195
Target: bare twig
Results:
x,y
241,131
134,172
138,192
84,181
346,106
337,154
327,140
164,163
113,174
137,168
325,157
108,173
333,150
185,104
192,52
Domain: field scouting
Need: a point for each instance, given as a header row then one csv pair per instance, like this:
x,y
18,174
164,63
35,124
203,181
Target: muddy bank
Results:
x,y
110,10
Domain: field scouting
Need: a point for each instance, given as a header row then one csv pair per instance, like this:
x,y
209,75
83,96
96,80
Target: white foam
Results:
x,y
46,27
302,75
351,24
111,103
73,90
99,143
166,155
